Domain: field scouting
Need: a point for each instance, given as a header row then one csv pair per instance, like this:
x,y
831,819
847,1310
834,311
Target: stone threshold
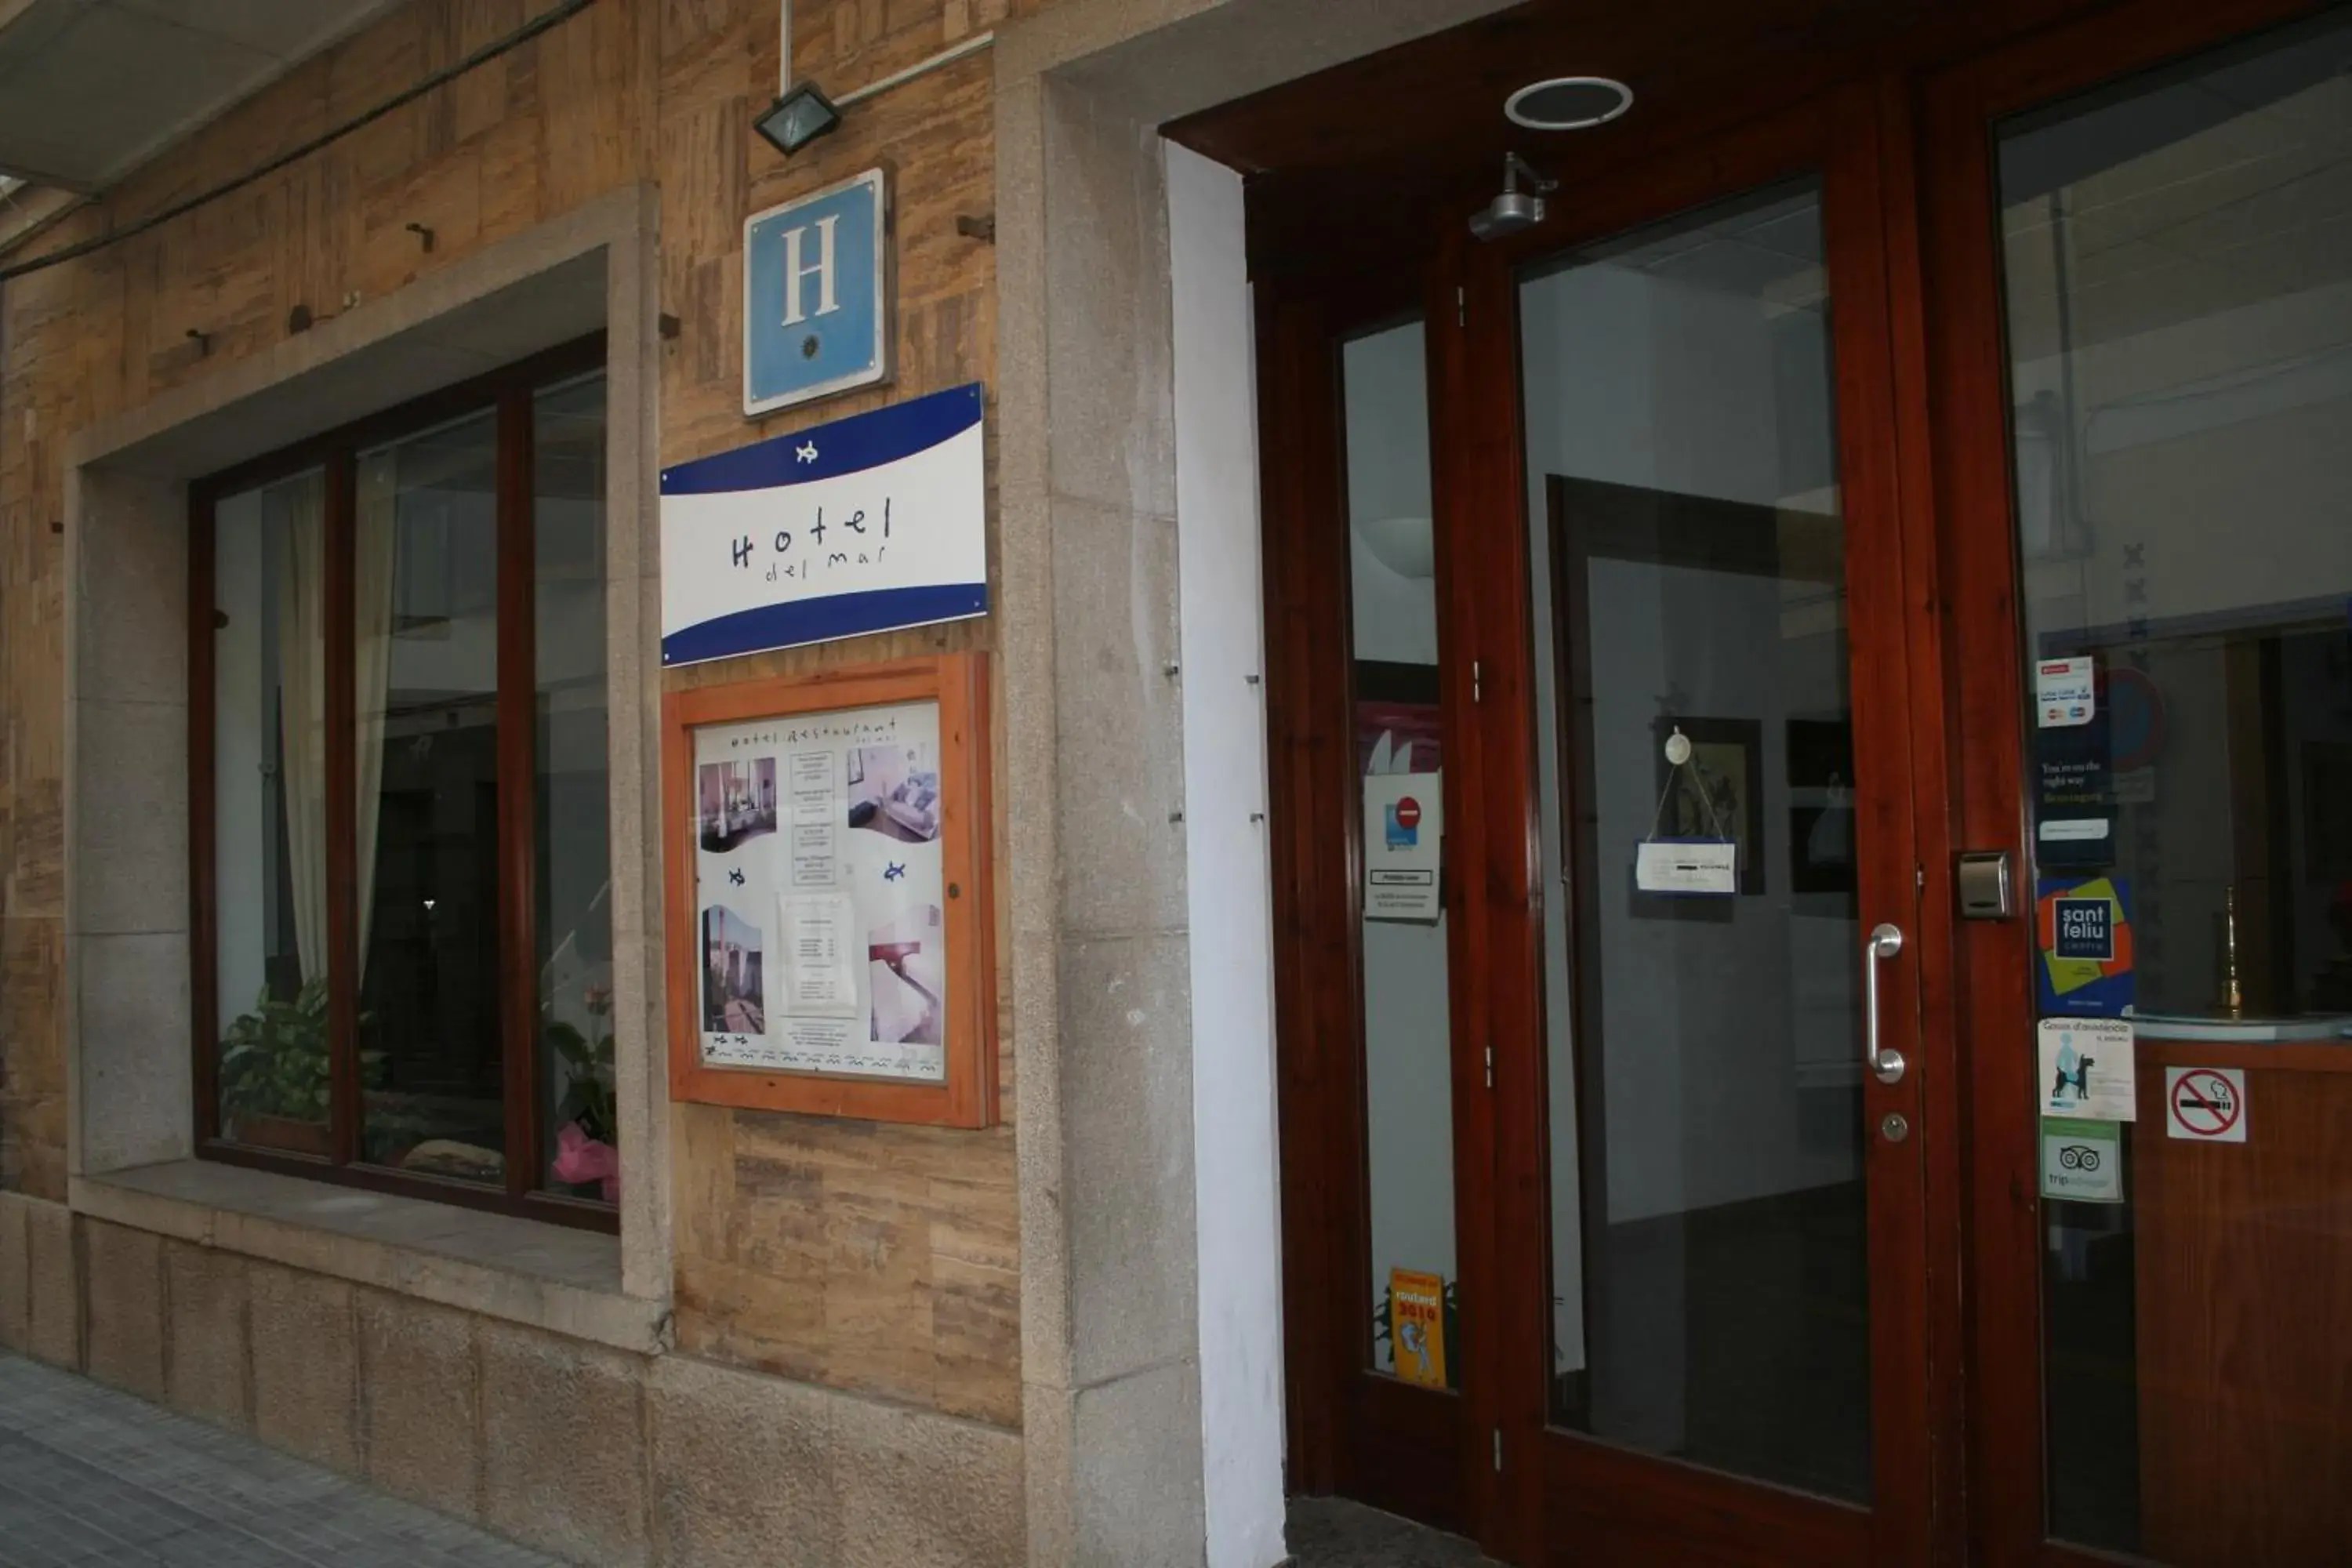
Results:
x,y
547,1277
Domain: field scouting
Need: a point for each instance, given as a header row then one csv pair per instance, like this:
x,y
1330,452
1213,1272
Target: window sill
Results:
x,y
549,1276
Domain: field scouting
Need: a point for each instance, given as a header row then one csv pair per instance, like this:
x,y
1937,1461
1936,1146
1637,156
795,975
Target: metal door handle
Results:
x,y
1883,943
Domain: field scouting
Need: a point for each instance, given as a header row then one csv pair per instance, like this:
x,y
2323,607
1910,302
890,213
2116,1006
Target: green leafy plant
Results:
x,y
588,1072
274,1060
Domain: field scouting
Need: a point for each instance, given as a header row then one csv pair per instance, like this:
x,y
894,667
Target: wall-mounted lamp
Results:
x,y
801,115
803,112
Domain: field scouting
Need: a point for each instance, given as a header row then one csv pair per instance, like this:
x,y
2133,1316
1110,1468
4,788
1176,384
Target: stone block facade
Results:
x,y
594,1455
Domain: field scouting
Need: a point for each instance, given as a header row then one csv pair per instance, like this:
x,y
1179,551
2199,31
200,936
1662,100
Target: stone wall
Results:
x,y
594,1455
867,1258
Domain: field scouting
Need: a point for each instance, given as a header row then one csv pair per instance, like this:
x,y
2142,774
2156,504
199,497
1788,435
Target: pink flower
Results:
x,y
579,1158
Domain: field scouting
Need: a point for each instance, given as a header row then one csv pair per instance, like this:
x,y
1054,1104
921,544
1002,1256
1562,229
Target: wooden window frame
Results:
x,y
508,394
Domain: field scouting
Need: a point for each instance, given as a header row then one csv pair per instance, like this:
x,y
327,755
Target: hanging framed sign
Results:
x,y
830,931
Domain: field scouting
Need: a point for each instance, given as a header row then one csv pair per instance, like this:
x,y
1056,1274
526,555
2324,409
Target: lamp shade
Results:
x,y
1405,545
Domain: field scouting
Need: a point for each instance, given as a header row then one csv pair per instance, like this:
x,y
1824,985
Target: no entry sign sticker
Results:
x,y
2206,1105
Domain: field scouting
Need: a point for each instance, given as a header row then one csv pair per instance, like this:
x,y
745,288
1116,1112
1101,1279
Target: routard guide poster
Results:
x,y
1417,1326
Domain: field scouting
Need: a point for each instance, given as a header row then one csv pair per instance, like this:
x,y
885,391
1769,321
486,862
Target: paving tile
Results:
x,y
222,1546
92,1478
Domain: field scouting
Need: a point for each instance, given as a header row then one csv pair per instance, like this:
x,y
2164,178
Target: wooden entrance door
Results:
x,y
2136,471
1604,537
1804,441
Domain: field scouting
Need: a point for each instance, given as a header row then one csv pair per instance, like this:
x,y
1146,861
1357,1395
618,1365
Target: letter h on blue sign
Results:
x,y
817,294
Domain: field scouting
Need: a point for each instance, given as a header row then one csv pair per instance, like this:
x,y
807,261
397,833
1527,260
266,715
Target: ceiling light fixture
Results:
x,y
1568,103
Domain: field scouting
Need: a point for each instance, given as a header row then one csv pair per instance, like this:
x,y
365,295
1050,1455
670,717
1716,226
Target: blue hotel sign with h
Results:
x,y
816,295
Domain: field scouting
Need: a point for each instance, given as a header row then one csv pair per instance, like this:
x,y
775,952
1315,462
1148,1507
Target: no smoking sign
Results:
x,y
2205,1105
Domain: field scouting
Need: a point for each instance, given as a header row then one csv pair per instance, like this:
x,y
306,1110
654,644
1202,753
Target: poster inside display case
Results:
x,y
829,926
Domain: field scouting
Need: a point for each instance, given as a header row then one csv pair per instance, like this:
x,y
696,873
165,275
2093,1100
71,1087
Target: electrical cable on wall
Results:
x,y
542,23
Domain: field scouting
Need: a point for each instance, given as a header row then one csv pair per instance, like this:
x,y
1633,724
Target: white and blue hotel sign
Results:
x,y
817,294
867,524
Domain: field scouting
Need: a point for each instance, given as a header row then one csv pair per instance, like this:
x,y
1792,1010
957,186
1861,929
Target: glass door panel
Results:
x,y
2177,273
1413,1332
1710,1280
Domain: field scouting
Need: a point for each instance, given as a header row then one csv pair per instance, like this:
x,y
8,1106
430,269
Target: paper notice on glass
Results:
x,y
2087,1069
2064,690
1690,867
2082,1160
1404,828
821,957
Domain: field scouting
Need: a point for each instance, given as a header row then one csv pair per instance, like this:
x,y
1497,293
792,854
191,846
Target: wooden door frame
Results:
x,y
1350,1432
1994,1004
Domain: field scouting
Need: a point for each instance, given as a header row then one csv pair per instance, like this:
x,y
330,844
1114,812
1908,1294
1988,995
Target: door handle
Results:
x,y
1881,944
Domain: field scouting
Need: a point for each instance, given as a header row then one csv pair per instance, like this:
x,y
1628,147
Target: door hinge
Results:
x,y
1477,681
1490,1066
1461,306
1498,1450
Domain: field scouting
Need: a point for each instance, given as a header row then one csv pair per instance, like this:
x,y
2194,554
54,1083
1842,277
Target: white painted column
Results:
x,y
1236,1177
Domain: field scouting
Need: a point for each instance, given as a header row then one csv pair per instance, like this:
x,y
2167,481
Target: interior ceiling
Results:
x,y
92,89
2221,192
1389,147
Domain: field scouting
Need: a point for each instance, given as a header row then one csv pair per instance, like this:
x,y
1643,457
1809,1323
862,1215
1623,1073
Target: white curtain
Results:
x,y
302,665
372,569
299,567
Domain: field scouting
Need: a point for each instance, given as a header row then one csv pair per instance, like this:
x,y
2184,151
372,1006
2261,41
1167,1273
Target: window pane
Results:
x,y
2177,280
269,814
425,615
1710,1272
1408,1054
575,922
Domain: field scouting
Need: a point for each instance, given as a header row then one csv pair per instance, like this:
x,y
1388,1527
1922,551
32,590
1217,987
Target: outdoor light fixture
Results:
x,y
804,112
801,115
1514,209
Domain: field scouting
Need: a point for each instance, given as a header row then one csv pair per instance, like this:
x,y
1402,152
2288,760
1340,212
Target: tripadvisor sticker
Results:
x,y
2082,1160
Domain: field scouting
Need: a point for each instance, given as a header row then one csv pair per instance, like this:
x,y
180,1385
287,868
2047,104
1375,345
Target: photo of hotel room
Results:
x,y
737,801
907,977
734,988
895,791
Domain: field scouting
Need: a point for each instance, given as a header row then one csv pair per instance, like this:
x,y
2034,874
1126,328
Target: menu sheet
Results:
x,y
819,892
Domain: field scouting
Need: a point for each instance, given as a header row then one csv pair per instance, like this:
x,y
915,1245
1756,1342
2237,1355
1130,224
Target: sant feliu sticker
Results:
x,y
817,296
2083,933
865,524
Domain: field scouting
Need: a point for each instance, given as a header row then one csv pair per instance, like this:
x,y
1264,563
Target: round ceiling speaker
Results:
x,y
1569,103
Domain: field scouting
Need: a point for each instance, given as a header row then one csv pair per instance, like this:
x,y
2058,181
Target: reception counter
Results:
x,y
2244,1316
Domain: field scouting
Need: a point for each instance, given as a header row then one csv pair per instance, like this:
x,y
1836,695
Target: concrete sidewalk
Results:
x,y
91,1477
95,1479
